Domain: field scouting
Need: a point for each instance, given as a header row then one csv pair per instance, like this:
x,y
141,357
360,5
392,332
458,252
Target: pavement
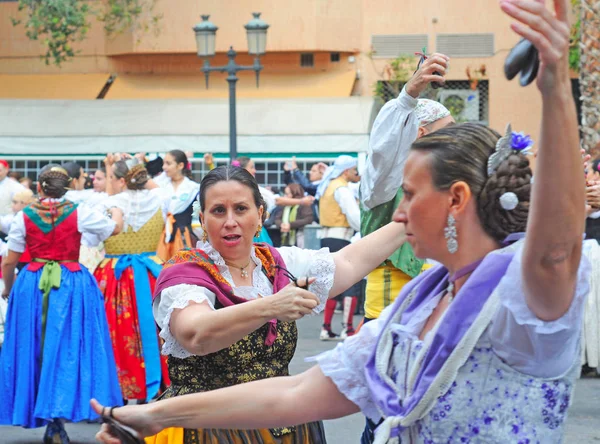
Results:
x,y
582,424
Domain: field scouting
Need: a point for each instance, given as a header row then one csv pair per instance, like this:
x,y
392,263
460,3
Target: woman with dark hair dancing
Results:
x,y
127,277
57,347
482,348
182,191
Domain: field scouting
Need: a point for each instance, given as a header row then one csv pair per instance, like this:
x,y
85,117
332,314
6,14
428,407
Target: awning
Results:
x,y
51,86
272,85
264,126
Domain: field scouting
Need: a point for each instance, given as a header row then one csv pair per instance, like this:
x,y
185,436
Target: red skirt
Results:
x,y
122,315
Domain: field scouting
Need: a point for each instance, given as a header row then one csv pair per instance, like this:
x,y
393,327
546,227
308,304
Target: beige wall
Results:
x,y
318,26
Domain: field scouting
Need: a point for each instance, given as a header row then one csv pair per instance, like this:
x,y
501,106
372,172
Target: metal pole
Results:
x,y
232,80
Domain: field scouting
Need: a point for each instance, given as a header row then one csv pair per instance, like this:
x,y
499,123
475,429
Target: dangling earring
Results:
x,y
204,236
258,230
450,235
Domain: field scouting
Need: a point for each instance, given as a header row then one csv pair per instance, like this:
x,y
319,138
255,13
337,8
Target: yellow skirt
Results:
x,y
383,286
312,433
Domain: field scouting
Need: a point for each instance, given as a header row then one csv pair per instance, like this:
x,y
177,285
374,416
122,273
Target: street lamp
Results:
x,y
256,31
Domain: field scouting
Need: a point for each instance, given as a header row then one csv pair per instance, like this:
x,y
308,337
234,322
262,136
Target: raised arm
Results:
x,y
553,245
354,262
394,131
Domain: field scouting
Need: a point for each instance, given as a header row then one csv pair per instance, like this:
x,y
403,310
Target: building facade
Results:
x,y
145,91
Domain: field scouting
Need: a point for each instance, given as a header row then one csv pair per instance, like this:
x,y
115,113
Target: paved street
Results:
x,y
582,426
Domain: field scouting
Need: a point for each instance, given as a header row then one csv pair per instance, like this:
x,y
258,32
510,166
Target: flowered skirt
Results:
x,y
54,373
133,332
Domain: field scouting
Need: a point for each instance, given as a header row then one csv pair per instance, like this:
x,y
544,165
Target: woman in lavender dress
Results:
x,y
483,348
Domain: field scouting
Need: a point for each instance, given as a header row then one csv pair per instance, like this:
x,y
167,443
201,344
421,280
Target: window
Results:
x,y
269,172
334,57
307,60
465,103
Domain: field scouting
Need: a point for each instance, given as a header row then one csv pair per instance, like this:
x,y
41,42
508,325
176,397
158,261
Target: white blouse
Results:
x,y
94,226
178,200
138,206
301,263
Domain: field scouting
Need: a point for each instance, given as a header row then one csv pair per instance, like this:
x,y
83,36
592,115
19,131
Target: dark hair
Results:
x,y
135,177
243,161
54,180
460,153
228,172
180,157
296,190
596,165
73,169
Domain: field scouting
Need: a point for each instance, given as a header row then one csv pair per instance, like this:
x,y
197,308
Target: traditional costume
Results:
x,y
394,131
202,276
489,371
57,352
177,212
126,278
340,218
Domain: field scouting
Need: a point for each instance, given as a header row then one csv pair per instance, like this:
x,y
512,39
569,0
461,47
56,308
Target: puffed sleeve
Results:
x,y
93,225
16,234
345,364
527,343
173,298
394,131
312,263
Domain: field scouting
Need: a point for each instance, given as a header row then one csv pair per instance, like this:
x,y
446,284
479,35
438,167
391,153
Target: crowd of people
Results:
x,y
168,307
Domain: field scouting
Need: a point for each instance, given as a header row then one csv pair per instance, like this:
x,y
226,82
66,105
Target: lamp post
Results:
x,y
256,31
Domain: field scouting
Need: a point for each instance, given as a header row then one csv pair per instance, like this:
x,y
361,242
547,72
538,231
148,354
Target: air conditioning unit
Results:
x,y
462,103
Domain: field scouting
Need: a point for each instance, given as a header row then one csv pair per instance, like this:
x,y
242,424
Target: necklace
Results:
x,y
243,271
460,273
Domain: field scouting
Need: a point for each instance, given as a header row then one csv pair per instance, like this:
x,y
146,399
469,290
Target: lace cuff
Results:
x,y
178,297
513,299
323,269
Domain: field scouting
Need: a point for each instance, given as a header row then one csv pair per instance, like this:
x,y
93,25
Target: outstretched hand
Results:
x,y
548,32
137,417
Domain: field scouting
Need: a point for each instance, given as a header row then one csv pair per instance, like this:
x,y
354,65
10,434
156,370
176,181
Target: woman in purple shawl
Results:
x,y
483,348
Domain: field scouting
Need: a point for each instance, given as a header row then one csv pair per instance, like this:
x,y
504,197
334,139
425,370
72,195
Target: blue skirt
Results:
x,y
77,362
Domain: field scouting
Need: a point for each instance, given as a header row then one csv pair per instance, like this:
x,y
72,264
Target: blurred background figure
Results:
x,y
8,187
292,218
340,218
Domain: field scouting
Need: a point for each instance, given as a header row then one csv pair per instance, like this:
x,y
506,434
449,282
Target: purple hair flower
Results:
x,y
521,142
236,163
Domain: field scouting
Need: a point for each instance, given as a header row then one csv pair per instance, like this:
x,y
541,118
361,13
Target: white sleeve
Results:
x,y
16,234
5,222
347,202
529,344
394,131
173,298
345,364
594,215
312,263
269,198
93,225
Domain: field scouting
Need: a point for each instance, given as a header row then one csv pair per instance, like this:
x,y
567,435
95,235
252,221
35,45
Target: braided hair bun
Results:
x,y
512,176
54,181
136,178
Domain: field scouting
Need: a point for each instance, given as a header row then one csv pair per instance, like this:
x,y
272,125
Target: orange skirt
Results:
x,y
311,433
166,250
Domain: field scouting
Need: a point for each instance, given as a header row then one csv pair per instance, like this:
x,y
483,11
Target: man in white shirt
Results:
x,y
340,219
8,188
398,124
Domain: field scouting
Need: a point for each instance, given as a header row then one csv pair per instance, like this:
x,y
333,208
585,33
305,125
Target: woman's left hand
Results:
x,y
285,228
548,32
